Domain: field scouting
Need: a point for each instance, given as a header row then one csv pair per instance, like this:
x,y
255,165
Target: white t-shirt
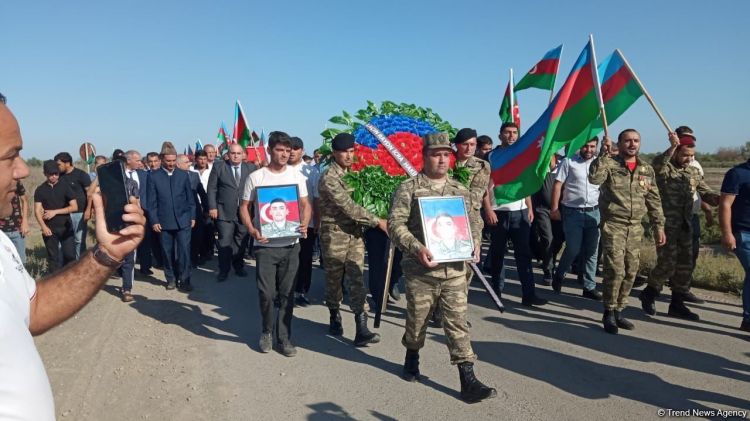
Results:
x,y
312,176
578,191
696,196
264,177
25,392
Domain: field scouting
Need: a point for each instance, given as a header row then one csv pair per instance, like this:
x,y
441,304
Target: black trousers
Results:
x,y
233,239
61,244
198,241
156,255
377,245
547,238
304,271
276,268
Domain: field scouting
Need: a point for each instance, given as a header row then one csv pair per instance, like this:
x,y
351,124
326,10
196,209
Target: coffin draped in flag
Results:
x,y
519,169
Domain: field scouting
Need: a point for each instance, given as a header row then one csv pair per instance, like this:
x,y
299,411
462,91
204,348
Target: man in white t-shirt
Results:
x,y
511,221
28,309
276,259
311,176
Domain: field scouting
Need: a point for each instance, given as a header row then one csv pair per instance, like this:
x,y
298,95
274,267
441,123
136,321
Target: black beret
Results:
x,y
50,167
342,142
464,134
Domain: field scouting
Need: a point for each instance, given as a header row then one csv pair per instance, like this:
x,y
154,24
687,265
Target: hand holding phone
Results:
x,y
111,177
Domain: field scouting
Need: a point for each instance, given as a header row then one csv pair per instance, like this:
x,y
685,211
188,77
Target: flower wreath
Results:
x,y
375,173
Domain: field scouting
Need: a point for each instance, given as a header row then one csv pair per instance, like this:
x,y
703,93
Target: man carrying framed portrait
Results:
x,y
282,213
429,222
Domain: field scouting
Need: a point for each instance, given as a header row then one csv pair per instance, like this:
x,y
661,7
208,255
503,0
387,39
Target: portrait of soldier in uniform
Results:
x,y
279,216
447,232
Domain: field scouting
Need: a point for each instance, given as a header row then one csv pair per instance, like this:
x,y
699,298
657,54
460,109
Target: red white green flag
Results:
x,y
241,133
544,73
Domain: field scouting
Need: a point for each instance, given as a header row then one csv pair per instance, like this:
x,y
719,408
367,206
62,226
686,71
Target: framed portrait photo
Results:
x,y
446,229
277,208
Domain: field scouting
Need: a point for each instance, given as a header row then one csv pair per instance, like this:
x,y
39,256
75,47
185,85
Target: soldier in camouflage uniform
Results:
x,y
628,193
343,248
678,182
479,178
429,283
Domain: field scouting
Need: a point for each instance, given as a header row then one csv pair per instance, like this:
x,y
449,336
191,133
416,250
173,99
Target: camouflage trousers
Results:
x,y
343,259
422,295
621,258
674,260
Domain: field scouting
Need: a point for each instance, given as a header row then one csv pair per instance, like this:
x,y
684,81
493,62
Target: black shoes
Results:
x,y
622,322
609,321
265,343
146,272
286,349
171,285
745,326
648,298
364,336
547,279
689,297
184,286
241,272
472,390
533,301
411,366
557,284
335,328
221,277
301,300
677,308
592,294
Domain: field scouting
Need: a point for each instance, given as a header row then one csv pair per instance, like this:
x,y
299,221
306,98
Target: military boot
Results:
x,y
364,336
648,300
610,324
622,322
335,327
472,390
411,366
677,308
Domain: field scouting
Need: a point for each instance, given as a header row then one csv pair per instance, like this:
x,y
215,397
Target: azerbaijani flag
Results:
x,y
619,91
543,74
519,169
506,114
241,133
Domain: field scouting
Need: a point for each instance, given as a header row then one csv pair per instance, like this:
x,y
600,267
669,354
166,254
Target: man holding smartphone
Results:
x,y
28,308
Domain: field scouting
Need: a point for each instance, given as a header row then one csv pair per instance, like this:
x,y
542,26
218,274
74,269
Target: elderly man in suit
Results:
x,y
140,176
225,187
172,214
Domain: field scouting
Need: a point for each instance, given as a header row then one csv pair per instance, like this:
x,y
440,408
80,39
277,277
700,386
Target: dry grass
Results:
x,y
715,269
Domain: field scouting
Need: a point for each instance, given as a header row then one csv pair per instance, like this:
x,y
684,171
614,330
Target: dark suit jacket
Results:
x,y
143,177
170,199
199,193
224,193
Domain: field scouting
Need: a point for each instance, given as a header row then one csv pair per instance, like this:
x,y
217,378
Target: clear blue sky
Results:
x,y
131,74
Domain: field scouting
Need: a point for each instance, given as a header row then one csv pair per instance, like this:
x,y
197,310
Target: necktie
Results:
x,y
130,174
237,175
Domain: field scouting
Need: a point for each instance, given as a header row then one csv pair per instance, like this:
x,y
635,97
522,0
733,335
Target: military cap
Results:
x,y
438,140
464,134
342,142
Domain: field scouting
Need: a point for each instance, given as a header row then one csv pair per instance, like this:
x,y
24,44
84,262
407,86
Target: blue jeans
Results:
x,y
513,224
743,253
581,238
79,231
17,239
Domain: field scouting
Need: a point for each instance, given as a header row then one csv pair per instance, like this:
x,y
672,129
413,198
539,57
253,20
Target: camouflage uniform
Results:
x,y
624,200
425,287
479,181
677,187
341,238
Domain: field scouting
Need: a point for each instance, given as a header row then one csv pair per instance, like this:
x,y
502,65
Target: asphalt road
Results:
x,y
175,356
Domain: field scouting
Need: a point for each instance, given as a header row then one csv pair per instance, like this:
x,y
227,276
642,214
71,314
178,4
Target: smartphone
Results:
x,y
111,177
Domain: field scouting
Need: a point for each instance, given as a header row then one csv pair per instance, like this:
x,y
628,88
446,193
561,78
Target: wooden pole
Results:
x,y
598,86
645,92
386,285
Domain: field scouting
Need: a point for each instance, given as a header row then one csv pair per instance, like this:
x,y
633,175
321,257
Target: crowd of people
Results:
x,y
195,207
